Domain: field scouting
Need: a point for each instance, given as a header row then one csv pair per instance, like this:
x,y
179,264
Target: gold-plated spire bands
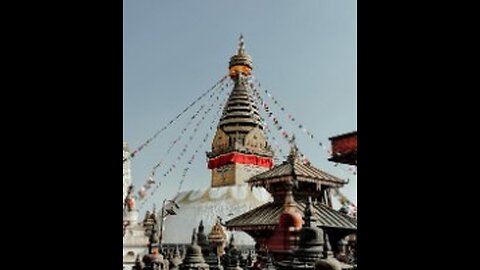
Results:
x,y
240,62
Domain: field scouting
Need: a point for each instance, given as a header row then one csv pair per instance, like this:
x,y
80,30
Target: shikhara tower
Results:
x,y
239,148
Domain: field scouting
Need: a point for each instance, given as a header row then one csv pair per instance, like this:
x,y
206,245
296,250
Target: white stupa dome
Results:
x,y
208,203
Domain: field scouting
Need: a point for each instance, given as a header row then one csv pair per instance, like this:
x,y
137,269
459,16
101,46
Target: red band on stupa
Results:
x,y
240,159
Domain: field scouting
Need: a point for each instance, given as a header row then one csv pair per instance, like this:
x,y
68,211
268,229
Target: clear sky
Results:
x,y
304,53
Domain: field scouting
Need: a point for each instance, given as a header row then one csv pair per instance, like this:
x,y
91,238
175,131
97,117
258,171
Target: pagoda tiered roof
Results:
x,y
266,217
295,169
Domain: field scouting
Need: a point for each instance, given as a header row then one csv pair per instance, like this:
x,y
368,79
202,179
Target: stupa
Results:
x,y
239,151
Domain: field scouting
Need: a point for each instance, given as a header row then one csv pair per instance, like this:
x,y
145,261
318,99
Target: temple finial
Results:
x,y
241,45
200,227
327,248
241,62
289,202
292,140
194,237
293,149
307,213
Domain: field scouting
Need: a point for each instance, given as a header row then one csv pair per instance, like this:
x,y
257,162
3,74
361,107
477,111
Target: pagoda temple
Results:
x,y
292,183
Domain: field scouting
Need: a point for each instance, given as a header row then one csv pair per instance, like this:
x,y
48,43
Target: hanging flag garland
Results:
x,y
155,135
268,134
254,85
202,144
270,137
142,193
150,181
187,126
178,158
274,119
255,88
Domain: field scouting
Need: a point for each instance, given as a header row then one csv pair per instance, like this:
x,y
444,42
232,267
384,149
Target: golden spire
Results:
x,y
240,62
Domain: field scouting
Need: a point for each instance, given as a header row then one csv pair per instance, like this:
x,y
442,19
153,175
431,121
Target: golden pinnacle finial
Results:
x,y
241,62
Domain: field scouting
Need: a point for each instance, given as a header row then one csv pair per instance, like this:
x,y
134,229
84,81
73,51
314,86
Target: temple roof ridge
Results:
x,y
293,168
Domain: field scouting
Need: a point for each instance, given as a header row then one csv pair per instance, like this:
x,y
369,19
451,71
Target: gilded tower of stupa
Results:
x,y
239,151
